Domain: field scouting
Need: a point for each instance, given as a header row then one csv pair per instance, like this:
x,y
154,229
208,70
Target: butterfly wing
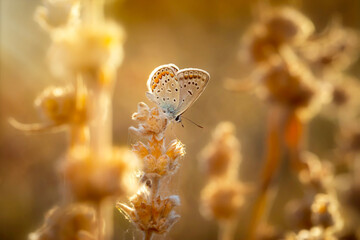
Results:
x,y
192,83
164,88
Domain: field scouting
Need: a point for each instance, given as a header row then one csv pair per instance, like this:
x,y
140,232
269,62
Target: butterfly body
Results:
x,y
175,90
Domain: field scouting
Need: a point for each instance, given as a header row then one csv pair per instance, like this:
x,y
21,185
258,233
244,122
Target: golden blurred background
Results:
x,y
203,34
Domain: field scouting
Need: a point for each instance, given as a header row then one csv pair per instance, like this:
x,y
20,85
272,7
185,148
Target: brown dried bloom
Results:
x,y
298,213
335,49
325,212
287,83
92,179
287,25
76,222
221,156
317,176
257,46
155,216
277,27
151,121
221,200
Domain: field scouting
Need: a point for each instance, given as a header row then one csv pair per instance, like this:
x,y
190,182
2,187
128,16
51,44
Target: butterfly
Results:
x,y
175,90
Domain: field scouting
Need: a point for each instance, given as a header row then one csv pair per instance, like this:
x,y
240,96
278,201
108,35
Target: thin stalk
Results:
x,y
286,131
93,11
273,155
100,223
294,135
155,184
226,230
148,235
79,132
100,117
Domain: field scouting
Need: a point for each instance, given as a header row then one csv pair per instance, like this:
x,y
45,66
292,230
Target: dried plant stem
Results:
x,y
100,123
106,210
78,136
79,133
100,223
94,11
148,235
272,161
226,230
294,131
155,185
285,132
100,129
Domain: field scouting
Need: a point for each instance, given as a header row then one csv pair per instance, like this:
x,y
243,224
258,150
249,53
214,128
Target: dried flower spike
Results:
x,y
221,156
221,200
223,196
149,211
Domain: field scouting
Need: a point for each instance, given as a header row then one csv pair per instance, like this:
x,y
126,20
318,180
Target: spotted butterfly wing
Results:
x,y
164,89
192,83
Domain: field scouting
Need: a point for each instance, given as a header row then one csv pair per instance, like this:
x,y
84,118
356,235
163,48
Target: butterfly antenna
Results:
x,y
192,122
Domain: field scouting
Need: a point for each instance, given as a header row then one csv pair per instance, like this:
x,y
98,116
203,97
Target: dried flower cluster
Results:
x,y
317,177
223,196
85,51
76,222
149,210
289,58
271,44
296,71
325,218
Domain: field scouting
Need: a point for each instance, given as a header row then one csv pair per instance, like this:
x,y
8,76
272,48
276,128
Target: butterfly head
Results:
x,y
178,118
